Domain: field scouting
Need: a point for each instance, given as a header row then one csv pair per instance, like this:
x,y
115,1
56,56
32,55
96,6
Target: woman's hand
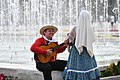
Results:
x,y
66,41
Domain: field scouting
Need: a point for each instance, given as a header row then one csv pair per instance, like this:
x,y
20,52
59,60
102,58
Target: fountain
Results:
x,y
20,21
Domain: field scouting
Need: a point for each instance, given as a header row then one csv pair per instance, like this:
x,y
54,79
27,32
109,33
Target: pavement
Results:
x,y
25,72
29,72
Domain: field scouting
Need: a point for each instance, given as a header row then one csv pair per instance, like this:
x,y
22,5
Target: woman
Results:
x,y
81,63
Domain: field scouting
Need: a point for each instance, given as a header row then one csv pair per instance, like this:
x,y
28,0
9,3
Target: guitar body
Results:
x,y
45,58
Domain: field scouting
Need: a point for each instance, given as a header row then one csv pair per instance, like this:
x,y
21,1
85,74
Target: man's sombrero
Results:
x,y
48,27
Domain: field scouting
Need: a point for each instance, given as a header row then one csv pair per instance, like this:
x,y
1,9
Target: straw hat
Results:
x,y
48,27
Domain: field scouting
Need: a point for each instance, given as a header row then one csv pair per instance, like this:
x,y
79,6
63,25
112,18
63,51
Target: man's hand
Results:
x,y
49,52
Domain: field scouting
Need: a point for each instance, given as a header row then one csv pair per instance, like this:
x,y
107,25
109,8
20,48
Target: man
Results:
x,y
112,23
40,54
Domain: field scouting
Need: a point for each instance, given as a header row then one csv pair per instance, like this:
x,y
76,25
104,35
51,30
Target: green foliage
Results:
x,y
108,73
112,70
118,65
102,74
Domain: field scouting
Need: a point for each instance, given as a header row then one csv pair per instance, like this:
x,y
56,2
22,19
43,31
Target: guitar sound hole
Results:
x,y
51,49
45,56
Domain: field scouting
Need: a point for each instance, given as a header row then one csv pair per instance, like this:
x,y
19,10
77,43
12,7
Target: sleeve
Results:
x,y
72,35
35,48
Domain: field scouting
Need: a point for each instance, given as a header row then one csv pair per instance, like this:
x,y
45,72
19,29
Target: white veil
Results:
x,y
84,33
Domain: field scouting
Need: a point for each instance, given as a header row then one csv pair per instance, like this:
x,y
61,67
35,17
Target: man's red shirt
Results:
x,y
37,50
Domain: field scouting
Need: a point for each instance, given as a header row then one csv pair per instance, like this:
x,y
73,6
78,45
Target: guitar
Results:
x,y
52,46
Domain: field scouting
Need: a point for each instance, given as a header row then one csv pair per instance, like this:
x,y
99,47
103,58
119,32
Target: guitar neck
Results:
x,y
58,46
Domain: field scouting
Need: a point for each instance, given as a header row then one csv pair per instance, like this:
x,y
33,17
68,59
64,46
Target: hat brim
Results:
x,y
48,27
